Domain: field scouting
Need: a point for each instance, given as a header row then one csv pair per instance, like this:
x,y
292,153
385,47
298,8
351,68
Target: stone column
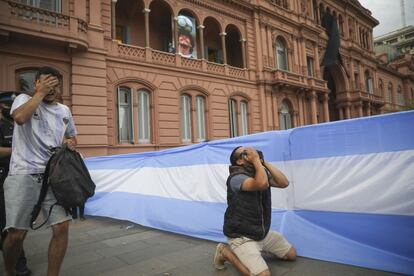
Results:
x,y
201,34
369,109
113,19
341,113
147,37
326,106
317,63
360,111
304,57
223,45
243,45
275,109
348,111
352,73
313,107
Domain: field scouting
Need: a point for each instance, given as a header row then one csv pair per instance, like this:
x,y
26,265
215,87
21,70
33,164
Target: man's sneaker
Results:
x,y
21,267
218,257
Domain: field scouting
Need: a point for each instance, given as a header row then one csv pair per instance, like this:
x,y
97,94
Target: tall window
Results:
x,y
125,133
134,115
285,116
281,53
381,87
144,117
400,96
193,102
309,62
25,79
238,116
185,118
52,5
201,120
389,96
244,128
233,117
368,83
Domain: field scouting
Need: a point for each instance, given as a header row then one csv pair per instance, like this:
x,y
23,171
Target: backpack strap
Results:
x,y
43,192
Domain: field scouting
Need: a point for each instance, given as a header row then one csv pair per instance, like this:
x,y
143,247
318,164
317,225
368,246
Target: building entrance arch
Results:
x,y
337,85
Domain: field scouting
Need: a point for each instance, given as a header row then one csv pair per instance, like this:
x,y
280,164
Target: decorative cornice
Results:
x,y
209,6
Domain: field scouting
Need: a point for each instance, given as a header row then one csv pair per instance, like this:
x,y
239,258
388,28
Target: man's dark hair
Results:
x,y
234,157
46,70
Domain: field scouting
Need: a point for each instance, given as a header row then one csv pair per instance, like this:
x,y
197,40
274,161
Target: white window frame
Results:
x,y
244,118
144,117
233,118
130,111
186,128
201,120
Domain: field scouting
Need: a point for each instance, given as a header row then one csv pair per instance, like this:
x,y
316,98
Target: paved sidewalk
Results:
x,y
104,246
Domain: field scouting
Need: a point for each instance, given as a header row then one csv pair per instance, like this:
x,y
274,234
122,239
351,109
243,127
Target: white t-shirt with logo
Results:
x,y
34,140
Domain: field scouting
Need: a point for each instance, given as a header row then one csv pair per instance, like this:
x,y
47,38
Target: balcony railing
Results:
x,y
152,56
33,21
371,97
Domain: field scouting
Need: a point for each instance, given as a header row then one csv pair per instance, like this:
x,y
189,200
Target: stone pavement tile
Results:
x,y
132,238
95,267
153,252
122,249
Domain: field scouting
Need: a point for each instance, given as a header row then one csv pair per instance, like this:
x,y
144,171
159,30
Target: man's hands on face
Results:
x,y
45,84
251,155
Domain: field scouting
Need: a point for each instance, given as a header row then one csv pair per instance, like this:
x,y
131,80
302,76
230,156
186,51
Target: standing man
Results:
x,y
41,124
6,135
248,216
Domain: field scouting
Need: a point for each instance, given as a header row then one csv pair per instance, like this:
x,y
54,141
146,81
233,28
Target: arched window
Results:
x,y
368,82
381,87
389,96
125,133
239,125
185,118
285,116
134,114
400,96
193,117
25,79
281,53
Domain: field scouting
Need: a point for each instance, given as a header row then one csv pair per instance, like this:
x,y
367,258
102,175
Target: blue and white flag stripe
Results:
x,y
350,198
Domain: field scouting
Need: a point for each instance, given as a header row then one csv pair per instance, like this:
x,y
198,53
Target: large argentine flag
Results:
x,y
350,198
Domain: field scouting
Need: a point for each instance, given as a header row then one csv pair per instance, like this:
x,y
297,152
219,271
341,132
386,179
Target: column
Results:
x,y
304,60
341,113
223,45
326,106
146,22
95,17
348,111
270,52
360,111
313,107
243,45
275,109
175,34
317,62
113,21
352,74
369,109
201,34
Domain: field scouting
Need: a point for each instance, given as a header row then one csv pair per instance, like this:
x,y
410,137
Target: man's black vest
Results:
x,y
248,213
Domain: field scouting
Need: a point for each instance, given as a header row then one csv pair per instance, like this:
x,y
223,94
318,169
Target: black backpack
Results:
x,y
69,179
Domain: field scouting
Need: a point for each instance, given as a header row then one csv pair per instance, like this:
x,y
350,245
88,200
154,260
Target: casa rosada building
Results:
x,y
142,75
